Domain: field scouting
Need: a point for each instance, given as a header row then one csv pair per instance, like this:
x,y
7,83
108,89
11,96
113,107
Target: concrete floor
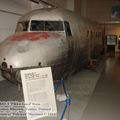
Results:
x,y
80,88
105,101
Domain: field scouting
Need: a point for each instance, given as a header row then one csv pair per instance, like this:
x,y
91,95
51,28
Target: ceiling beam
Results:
x,y
43,2
35,1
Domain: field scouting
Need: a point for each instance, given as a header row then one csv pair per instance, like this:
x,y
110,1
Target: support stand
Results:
x,y
61,83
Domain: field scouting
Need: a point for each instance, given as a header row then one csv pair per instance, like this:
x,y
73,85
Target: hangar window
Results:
x,y
22,26
46,25
67,29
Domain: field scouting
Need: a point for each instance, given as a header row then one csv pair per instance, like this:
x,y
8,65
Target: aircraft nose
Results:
x,y
23,46
9,53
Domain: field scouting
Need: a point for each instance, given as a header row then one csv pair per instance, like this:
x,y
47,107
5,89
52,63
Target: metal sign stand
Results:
x,y
61,83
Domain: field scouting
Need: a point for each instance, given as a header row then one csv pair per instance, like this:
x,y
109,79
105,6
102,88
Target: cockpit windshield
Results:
x,y
36,25
46,25
22,26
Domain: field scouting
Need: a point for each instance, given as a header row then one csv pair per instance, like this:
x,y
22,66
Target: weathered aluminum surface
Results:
x,y
28,49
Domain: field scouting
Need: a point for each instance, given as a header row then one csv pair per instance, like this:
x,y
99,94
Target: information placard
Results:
x,y
38,93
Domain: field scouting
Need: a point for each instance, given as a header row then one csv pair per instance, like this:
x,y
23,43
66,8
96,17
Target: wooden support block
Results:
x,y
92,64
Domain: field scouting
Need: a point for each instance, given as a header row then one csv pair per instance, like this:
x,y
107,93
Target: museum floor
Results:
x,y
95,95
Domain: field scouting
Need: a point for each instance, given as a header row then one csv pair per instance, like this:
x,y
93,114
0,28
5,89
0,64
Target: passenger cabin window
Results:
x,y
46,25
87,35
22,26
67,29
91,35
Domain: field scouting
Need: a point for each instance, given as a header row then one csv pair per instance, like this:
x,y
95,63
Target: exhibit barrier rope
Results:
x,y
67,101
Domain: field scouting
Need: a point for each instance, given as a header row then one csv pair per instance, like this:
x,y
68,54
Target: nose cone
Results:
x,y
13,52
29,49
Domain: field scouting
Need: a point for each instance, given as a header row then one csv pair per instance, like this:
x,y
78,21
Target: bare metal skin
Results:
x,y
64,53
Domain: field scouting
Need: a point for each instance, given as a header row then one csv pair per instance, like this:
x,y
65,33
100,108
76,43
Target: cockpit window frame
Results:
x,y
67,29
23,30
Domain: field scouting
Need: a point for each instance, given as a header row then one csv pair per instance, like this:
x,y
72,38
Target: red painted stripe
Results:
x,y
30,36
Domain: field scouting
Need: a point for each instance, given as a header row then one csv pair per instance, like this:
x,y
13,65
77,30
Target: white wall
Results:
x,y
8,19
7,24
